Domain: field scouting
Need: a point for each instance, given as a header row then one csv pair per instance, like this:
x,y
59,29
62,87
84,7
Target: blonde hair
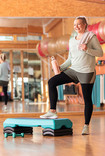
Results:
x,y
84,20
3,57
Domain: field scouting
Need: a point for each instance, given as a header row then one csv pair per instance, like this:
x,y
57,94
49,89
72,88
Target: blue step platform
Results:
x,y
37,122
18,123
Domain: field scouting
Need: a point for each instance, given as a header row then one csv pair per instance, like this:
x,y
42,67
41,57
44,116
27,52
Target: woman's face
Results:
x,y
79,26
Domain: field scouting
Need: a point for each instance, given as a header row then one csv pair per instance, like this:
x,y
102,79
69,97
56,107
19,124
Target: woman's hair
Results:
x,y
84,20
3,57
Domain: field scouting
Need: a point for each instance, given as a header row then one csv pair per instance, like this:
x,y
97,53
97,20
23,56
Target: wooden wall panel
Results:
x,y
33,29
44,8
21,45
62,28
56,31
13,30
68,25
22,31
53,24
95,20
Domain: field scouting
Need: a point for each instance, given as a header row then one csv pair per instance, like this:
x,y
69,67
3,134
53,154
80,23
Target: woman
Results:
x,y
4,70
79,67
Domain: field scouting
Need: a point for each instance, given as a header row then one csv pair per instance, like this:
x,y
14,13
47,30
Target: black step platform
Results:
x,y
17,130
58,132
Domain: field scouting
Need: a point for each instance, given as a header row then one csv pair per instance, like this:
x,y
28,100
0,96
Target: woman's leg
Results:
x,y
87,94
59,79
5,88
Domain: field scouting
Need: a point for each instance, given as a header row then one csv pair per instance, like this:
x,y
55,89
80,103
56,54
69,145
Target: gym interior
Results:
x,y
31,33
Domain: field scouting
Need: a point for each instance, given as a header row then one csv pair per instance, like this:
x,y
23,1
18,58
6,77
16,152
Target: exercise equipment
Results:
x,y
40,51
44,45
52,47
54,124
99,30
96,31
70,89
102,30
62,44
17,131
58,132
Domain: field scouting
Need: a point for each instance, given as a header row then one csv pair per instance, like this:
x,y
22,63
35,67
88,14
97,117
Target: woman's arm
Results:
x,y
66,64
96,48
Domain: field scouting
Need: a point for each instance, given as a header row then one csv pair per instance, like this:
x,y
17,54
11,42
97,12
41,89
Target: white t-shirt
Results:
x,y
82,61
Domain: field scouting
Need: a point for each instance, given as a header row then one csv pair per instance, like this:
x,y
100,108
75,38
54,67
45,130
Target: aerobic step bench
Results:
x,y
57,132
17,131
54,126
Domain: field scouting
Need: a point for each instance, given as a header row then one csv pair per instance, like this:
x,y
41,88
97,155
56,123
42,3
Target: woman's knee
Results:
x,y
52,82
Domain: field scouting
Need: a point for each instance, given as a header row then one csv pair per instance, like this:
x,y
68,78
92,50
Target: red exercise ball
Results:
x,y
95,28
40,52
90,27
102,30
52,47
44,45
62,44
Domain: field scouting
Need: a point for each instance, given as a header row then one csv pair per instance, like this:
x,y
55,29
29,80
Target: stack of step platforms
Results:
x,y
17,131
57,132
21,126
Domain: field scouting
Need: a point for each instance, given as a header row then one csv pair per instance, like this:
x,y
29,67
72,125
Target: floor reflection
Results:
x,y
41,107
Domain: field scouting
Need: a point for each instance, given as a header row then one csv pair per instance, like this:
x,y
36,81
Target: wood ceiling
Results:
x,y
23,22
52,8
94,1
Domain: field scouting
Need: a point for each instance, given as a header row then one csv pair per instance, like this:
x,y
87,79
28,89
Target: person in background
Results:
x,y
79,67
4,71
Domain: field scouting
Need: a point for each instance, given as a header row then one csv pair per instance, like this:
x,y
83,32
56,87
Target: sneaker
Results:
x,y
85,130
49,115
5,108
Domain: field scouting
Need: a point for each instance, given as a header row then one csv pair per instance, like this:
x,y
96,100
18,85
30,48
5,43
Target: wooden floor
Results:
x,y
76,145
39,145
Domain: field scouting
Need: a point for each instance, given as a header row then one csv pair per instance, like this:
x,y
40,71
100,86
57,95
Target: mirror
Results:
x,y
30,71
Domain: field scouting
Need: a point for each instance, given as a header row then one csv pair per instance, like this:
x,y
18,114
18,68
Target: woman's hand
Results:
x,y
83,47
